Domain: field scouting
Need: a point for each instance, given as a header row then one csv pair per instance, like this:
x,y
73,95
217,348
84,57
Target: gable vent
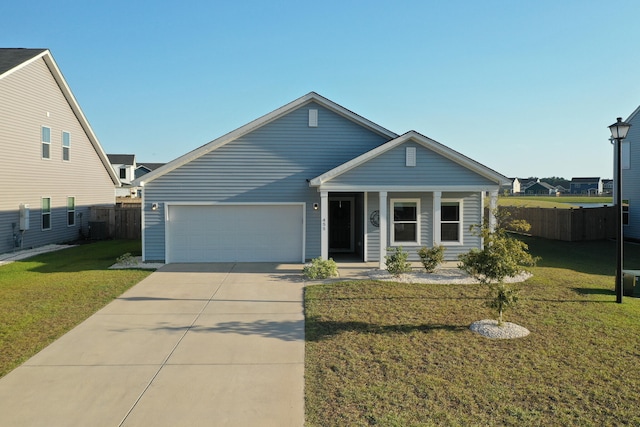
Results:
x,y
411,156
313,118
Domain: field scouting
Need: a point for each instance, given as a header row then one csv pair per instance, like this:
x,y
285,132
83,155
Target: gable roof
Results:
x,y
122,159
150,166
12,60
425,142
255,124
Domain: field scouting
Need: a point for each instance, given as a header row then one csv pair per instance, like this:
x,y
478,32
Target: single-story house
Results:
x,y
541,188
313,179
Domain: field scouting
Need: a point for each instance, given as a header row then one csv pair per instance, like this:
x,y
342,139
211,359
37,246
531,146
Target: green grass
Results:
x,y
43,297
564,202
394,354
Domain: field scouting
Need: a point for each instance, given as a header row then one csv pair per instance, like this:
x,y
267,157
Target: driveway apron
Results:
x,y
191,345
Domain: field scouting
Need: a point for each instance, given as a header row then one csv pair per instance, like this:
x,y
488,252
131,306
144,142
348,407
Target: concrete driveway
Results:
x,y
190,345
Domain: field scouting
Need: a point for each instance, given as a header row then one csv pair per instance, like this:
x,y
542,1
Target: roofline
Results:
x,y
257,123
422,140
25,63
46,56
632,116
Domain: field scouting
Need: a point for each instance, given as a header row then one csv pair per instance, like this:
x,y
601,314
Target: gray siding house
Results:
x,y
52,167
631,178
313,179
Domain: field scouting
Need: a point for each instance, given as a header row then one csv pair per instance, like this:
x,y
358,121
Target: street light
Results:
x,y
619,132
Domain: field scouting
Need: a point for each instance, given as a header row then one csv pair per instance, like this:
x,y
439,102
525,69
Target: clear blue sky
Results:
x,y
527,88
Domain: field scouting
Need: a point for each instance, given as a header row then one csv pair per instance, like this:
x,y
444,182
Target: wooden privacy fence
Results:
x,y
571,225
115,222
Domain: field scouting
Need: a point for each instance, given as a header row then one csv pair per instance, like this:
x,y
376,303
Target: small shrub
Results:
x,y
320,269
397,263
126,259
431,258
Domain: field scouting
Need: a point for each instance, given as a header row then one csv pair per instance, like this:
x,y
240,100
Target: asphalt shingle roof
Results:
x,y
12,57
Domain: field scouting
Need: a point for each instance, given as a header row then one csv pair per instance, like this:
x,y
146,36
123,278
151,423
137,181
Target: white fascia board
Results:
x,y
406,188
75,107
259,122
633,115
24,64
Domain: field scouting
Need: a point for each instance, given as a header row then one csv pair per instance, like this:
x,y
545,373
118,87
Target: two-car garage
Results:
x,y
235,233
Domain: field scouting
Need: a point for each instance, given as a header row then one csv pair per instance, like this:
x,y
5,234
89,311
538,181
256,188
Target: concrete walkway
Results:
x,y
190,345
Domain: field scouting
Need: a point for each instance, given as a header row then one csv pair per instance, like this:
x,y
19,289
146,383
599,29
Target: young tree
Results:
x,y
503,256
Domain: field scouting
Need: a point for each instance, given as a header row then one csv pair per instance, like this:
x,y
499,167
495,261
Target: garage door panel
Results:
x,y
228,233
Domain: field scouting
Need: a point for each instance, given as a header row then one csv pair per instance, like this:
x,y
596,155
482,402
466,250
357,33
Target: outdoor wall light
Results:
x,y
154,206
315,206
619,132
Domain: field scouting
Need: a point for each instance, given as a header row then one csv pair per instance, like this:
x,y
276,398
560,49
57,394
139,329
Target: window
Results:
x,y
625,212
451,221
406,221
71,211
46,213
123,173
66,145
46,142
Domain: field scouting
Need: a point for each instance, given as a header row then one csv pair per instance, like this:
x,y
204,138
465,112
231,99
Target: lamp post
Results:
x,y
619,132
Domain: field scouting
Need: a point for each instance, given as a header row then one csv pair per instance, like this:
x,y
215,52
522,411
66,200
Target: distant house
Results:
x,y
589,186
52,167
145,168
541,189
607,186
526,183
512,188
313,179
631,178
124,166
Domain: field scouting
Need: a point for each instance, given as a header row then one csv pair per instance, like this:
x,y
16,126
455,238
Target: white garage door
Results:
x,y
235,233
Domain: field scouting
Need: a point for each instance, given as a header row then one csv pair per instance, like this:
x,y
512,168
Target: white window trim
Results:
x,y
392,222
71,210
43,142
67,147
460,241
42,214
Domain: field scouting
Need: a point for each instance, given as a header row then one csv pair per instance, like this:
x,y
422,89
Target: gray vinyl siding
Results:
x,y
26,96
373,232
270,164
431,169
631,181
472,214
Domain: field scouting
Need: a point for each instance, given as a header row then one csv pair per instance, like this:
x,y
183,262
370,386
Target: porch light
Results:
x,y
619,132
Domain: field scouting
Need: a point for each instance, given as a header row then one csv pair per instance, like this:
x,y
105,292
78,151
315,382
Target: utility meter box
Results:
x,y
24,217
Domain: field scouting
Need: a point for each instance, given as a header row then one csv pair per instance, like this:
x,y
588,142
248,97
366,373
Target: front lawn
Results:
x,y
43,297
394,354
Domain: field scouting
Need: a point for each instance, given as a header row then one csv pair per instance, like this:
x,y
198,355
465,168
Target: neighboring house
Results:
x,y
145,168
607,186
541,189
313,179
526,183
124,166
590,186
631,178
52,166
512,188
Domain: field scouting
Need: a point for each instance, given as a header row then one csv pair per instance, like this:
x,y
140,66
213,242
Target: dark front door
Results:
x,y
341,224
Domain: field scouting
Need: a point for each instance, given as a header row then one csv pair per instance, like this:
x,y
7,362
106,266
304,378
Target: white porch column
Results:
x,y
383,214
493,204
437,216
324,224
